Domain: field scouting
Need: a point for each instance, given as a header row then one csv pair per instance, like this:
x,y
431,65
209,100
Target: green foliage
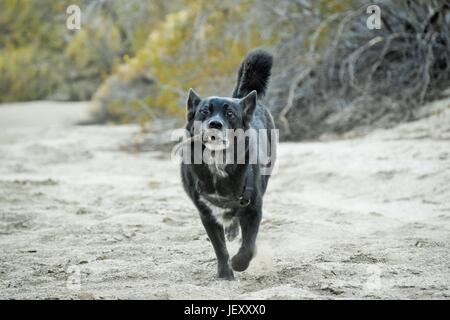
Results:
x,y
188,49
25,75
40,58
26,70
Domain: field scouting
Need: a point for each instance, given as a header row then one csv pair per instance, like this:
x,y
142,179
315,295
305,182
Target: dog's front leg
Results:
x,y
249,221
217,236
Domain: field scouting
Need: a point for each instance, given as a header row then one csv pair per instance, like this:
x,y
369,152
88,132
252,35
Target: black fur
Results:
x,y
214,188
253,74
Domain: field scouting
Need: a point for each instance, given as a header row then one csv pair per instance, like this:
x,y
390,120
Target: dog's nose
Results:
x,y
214,124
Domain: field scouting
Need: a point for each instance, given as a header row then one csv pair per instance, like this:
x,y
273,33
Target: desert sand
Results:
x,y
98,212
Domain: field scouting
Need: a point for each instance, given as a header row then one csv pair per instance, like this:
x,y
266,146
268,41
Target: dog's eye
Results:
x,y
229,114
204,112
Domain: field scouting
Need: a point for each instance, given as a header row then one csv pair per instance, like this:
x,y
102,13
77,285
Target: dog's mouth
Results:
x,y
215,142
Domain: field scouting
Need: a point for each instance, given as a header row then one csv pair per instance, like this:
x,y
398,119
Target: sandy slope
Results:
x,y
83,217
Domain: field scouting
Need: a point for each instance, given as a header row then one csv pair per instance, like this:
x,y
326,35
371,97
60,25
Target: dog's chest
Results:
x,y
219,213
216,195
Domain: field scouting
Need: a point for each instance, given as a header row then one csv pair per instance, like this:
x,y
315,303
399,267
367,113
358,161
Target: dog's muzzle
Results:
x,y
215,139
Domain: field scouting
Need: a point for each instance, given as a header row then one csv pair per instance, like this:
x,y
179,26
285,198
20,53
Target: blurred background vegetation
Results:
x,y
136,59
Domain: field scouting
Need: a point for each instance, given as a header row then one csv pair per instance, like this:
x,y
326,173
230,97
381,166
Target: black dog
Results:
x,y
229,193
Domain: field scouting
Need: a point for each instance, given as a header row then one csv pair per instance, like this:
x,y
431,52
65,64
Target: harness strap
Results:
x,y
246,197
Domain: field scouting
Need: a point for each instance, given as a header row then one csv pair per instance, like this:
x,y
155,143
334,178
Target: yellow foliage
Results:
x,y
25,75
41,58
173,58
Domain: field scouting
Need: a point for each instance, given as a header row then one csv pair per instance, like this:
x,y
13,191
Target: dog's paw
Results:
x,y
241,261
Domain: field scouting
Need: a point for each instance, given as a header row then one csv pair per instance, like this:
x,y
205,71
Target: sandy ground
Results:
x,y
83,215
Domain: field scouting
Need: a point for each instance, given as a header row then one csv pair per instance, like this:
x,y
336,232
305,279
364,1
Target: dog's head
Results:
x,y
219,116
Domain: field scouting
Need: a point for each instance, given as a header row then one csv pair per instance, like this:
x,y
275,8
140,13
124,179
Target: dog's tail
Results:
x,y
254,73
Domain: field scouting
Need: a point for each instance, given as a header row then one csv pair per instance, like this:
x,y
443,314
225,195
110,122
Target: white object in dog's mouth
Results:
x,y
215,143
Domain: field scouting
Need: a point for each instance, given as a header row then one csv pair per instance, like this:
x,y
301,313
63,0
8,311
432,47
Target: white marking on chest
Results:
x,y
217,212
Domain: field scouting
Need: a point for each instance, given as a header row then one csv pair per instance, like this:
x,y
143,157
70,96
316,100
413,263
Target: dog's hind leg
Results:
x,y
217,236
249,221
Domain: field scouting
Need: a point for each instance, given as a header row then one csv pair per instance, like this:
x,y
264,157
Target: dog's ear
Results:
x,y
192,103
248,104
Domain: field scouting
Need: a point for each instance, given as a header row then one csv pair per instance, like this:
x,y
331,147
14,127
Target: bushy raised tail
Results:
x,y
254,73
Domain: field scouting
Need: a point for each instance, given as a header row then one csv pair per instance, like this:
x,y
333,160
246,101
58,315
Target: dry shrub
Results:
x,y
357,77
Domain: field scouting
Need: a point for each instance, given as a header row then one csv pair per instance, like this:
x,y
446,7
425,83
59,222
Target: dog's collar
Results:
x,y
244,199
